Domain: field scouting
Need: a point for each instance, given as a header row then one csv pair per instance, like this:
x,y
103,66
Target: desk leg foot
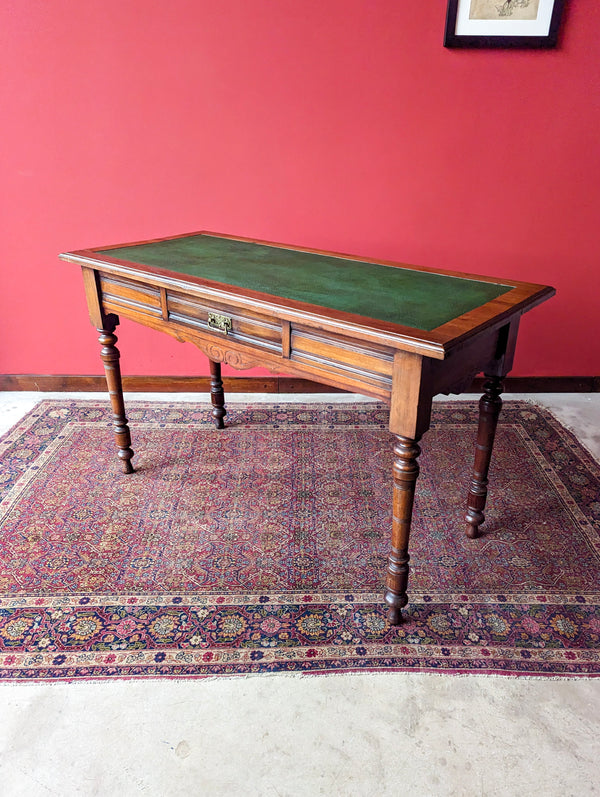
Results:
x,y
394,616
217,396
490,405
406,472
110,357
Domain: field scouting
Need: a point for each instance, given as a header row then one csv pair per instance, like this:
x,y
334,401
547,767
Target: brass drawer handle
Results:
x,y
221,323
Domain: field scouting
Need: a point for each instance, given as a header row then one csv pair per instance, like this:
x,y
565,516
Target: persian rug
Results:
x,y
262,548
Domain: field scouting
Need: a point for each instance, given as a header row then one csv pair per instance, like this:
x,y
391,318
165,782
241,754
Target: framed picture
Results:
x,y
502,23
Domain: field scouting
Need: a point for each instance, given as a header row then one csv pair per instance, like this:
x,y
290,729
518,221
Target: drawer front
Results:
x,y
126,295
237,324
342,356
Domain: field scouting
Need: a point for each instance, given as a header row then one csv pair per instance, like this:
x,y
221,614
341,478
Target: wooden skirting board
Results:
x,y
268,384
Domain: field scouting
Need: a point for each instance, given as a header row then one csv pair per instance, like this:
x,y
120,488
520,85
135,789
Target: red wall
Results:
x,y
341,125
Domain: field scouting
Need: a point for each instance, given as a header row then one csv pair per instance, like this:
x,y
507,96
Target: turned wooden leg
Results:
x,y
110,356
405,471
490,405
217,395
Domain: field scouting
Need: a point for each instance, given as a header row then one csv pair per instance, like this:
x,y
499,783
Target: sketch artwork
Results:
x,y
504,9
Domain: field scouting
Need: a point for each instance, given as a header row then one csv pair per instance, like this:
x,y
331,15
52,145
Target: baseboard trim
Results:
x,y
45,383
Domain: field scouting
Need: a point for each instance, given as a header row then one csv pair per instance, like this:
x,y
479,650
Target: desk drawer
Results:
x,y
342,356
241,325
122,295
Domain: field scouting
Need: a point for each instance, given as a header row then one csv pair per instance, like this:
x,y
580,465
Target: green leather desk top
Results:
x,y
418,299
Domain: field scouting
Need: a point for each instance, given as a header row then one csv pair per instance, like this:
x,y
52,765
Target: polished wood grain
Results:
x,y
217,395
405,472
400,365
490,405
110,356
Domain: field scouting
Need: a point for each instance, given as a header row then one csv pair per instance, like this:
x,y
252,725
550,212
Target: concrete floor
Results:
x,y
366,734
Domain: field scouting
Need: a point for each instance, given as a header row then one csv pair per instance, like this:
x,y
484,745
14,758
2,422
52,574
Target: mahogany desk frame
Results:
x,y
402,366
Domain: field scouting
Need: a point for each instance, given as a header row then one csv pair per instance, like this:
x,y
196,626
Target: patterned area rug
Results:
x,y
262,548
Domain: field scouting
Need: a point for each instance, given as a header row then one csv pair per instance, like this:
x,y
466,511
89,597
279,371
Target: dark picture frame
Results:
x,y
464,31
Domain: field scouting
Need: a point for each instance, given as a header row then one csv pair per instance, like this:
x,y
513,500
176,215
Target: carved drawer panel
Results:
x,y
124,295
241,325
337,354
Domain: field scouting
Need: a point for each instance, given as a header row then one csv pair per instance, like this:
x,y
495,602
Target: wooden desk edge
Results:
x,y
437,343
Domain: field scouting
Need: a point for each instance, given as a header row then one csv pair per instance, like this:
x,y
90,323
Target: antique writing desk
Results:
x,y
400,333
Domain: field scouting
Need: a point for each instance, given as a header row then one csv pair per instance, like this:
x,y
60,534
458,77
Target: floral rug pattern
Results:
x,y
262,547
